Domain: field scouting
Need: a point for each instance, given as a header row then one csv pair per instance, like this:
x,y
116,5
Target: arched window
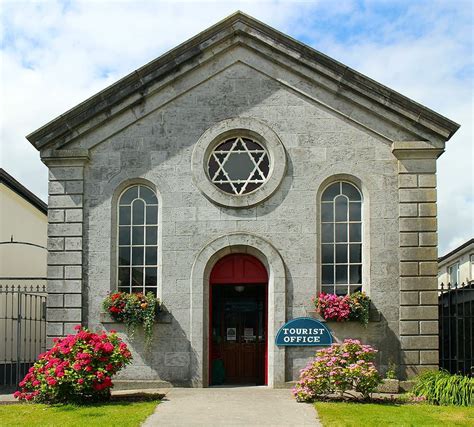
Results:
x,y
341,238
137,240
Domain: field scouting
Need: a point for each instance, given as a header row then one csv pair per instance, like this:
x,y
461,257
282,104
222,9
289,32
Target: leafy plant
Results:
x,y
134,310
355,306
359,304
391,373
442,388
339,369
78,368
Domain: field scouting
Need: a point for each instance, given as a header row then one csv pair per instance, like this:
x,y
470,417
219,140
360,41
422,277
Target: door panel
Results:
x,y
239,332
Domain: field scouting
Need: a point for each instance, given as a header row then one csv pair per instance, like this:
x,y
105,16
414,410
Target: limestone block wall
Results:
x,y
418,255
65,220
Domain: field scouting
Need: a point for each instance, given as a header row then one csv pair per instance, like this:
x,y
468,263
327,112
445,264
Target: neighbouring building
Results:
x,y
236,176
23,233
457,266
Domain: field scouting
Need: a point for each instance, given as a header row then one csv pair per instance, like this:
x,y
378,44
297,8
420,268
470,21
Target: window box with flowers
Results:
x,y
134,309
343,308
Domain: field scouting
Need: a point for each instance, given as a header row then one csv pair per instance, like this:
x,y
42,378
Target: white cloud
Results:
x,y
55,54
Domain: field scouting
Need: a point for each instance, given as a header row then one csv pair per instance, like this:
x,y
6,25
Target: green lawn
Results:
x,y
334,414
123,414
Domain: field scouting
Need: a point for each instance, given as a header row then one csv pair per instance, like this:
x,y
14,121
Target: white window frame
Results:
x,y
450,274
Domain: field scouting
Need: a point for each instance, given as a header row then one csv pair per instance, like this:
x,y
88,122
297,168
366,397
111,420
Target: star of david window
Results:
x,y
238,165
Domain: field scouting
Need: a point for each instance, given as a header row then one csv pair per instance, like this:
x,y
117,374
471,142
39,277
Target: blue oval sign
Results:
x,y
303,331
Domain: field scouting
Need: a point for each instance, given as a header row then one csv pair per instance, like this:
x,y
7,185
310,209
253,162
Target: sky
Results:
x,y
55,54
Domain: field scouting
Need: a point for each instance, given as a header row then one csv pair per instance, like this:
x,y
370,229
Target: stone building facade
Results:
x,y
239,136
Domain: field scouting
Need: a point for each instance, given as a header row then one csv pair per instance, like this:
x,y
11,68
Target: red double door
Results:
x,y
238,327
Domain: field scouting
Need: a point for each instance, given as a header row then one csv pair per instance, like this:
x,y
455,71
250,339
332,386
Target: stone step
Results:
x,y
140,384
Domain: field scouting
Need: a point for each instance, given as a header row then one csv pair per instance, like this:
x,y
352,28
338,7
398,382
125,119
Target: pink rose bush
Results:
x,y
339,369
78,368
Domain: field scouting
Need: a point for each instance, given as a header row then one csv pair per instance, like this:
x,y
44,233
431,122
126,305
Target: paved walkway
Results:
x,y
231,406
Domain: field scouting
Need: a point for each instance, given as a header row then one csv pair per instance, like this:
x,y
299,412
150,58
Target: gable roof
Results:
x,y
22,191
237,25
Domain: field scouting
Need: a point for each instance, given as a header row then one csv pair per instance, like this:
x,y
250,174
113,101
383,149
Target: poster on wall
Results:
x,y
231,334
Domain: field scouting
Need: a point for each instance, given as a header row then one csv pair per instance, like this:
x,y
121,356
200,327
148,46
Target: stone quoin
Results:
x,y
237,176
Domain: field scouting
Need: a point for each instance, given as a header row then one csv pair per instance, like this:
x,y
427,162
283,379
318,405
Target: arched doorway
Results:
x,y
238,297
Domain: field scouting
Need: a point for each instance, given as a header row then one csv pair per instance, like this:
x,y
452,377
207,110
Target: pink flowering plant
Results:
x,y
78,368
345,307
339,369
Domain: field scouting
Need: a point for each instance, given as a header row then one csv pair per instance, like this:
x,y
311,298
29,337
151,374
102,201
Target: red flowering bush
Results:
x,y
78,368
339,369
341,308
133,310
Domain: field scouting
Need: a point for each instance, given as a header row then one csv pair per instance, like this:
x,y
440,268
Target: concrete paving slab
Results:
x,y
232,406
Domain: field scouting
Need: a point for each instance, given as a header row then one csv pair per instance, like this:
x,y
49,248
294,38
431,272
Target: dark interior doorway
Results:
x,y
238,327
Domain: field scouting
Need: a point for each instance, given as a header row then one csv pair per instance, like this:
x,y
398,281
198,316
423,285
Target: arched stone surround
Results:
x,y
205,260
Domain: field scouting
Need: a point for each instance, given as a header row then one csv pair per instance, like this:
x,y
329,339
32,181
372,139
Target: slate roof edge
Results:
x,y
135,81
22,191
456,250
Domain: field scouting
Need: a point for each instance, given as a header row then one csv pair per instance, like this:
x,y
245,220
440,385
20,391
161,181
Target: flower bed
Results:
x,y
79,367
134,310
339,369
355,306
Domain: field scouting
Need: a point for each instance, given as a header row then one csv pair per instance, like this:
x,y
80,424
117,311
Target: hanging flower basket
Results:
x,y
355,306
134,310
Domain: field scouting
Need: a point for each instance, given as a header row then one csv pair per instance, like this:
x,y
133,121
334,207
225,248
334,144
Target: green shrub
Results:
x,y
442,388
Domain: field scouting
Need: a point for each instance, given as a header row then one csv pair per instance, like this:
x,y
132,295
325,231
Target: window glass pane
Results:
x,y
137,235
356,274
327,233
148,195
354,211
150,277
341,232
350,191
327,254
137,277
341,253
152,214
138,212
151,235
124,256
355,253
341,290
328,289
355,234
150,255
137,256
341,274
327,274
124,235
124,215
124,277
238,166
356,288
327,212
341,208
129,196
331,192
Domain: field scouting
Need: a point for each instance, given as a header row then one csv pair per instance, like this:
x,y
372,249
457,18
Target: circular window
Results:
x,y
238,162
238,165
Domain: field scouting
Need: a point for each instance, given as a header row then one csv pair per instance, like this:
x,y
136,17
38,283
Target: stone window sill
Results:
x,y
163,317
374,316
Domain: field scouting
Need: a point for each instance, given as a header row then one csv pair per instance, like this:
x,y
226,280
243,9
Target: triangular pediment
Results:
x,y
308,72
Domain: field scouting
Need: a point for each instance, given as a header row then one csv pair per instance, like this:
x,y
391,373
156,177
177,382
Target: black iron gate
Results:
x,y
22,330
456,328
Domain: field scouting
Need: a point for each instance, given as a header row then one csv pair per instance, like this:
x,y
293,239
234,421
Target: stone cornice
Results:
x,y
403,150
65,157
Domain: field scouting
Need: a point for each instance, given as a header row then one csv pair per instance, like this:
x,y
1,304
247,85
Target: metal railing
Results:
x,y
22,329
456,328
